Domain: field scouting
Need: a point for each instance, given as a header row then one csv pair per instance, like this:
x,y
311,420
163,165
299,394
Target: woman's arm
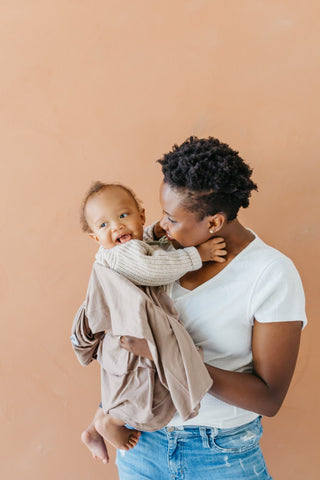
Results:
x,y
275,349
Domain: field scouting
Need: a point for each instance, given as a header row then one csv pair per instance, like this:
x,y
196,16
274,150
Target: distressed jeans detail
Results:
x,y
192,453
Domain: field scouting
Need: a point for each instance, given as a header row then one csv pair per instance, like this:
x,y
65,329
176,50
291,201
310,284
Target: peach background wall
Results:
x,y
99,90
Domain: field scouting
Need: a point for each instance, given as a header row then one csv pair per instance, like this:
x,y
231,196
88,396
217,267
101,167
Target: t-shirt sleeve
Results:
x,y
278,294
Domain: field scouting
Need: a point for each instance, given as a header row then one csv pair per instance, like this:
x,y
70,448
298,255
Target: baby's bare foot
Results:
x,y
94,441
118,435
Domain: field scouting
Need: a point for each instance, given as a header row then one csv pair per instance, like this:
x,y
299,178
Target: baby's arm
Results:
x,y
146,264
213,250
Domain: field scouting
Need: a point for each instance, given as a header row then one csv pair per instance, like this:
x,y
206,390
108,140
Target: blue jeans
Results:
x,y
192,453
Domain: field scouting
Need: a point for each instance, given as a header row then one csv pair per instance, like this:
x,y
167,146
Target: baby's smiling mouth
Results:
x,y
126,237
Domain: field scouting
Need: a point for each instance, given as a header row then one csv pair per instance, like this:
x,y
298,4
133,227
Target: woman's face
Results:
x,y
180,224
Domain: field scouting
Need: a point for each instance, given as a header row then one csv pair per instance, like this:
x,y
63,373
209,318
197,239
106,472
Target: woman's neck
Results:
x,y
236,236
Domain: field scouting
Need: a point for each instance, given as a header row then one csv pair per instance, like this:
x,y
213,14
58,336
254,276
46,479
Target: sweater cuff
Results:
x,y
194,257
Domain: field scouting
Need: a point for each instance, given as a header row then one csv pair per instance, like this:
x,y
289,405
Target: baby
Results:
x,y
113,217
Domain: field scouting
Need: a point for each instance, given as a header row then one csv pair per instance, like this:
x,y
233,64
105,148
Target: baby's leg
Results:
x,y
114,430
93,440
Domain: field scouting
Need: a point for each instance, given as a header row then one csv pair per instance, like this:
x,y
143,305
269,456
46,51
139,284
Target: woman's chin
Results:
x,y
175,244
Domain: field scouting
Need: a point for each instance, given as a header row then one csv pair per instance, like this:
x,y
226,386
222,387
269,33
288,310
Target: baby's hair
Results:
x,y
210,175
95,188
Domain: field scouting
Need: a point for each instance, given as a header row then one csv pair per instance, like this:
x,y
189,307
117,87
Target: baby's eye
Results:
x,y
103,224
123,215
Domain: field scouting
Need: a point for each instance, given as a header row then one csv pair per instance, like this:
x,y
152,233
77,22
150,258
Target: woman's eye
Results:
x,y
123,215
170,220
103,224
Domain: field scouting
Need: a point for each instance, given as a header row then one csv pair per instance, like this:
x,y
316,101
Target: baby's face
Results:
x,y
114,217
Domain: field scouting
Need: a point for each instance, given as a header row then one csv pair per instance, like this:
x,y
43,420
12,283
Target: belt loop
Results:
x,y
205,437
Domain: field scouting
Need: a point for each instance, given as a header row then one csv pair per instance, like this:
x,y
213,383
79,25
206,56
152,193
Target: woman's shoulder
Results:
x,y
264,254
270,266
262,261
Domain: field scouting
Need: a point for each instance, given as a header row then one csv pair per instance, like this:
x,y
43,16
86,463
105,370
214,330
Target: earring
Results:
x,y
210,231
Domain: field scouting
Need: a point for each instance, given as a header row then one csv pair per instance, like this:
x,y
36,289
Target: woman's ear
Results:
x,y
216,222
94,237
143,215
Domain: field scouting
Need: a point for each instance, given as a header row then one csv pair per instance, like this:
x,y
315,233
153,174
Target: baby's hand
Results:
x,y
212,250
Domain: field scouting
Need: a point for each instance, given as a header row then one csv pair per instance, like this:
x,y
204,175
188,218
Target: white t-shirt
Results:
x,y
259,283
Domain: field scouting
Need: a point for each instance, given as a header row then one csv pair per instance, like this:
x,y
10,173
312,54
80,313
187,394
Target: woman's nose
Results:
x,y
162,223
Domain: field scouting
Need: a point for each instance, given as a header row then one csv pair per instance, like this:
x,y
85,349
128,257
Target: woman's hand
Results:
x,y
137,346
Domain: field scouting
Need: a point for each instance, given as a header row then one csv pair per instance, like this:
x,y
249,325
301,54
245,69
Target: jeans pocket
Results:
x,y
238,440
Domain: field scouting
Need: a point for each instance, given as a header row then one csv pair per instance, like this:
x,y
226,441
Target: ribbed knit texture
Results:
x,y
150,263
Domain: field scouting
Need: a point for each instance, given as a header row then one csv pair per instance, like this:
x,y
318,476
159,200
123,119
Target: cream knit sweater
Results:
x,y
149,262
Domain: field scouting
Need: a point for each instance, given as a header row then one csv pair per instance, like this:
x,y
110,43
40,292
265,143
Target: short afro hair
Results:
x,y
210,175
95,188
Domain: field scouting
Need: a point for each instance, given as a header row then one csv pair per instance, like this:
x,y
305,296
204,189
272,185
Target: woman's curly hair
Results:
x,y
211,176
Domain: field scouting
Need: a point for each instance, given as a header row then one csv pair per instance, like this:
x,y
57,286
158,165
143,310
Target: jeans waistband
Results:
x,y
214,430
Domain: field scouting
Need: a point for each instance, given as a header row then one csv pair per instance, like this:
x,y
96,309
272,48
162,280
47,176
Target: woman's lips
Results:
x,y
169,236
124,238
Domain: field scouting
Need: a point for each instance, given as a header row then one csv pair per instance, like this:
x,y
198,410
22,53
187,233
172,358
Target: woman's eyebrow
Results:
x,y
167,213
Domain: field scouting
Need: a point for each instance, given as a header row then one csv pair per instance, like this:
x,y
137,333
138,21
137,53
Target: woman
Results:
x,y
246,314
